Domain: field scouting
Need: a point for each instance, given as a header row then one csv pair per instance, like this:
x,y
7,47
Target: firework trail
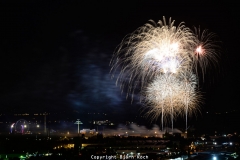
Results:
x,y
191,97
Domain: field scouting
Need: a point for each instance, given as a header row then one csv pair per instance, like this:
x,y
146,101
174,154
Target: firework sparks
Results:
x,y
163,93
170,95
163,57
206,50
153,49
190,96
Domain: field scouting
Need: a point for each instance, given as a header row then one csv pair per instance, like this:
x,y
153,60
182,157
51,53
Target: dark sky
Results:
x,y
55,56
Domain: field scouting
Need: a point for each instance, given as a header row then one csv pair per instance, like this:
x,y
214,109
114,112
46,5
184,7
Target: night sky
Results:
x,y
55,57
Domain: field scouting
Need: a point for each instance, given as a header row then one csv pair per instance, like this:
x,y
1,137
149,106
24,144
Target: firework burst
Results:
x,y
165,58
206,50
153,49
170,95
191,98
161,97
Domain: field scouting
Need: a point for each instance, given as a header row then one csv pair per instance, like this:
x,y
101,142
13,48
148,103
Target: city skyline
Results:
x,y
55,57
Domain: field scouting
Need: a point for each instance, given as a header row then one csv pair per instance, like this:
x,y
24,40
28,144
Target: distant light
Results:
x,y
214,158
230,143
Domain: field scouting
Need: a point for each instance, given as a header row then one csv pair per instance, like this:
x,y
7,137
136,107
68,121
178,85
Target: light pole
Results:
x,y
78,122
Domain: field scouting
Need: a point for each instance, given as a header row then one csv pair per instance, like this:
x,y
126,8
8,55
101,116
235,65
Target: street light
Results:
x,y
78,122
